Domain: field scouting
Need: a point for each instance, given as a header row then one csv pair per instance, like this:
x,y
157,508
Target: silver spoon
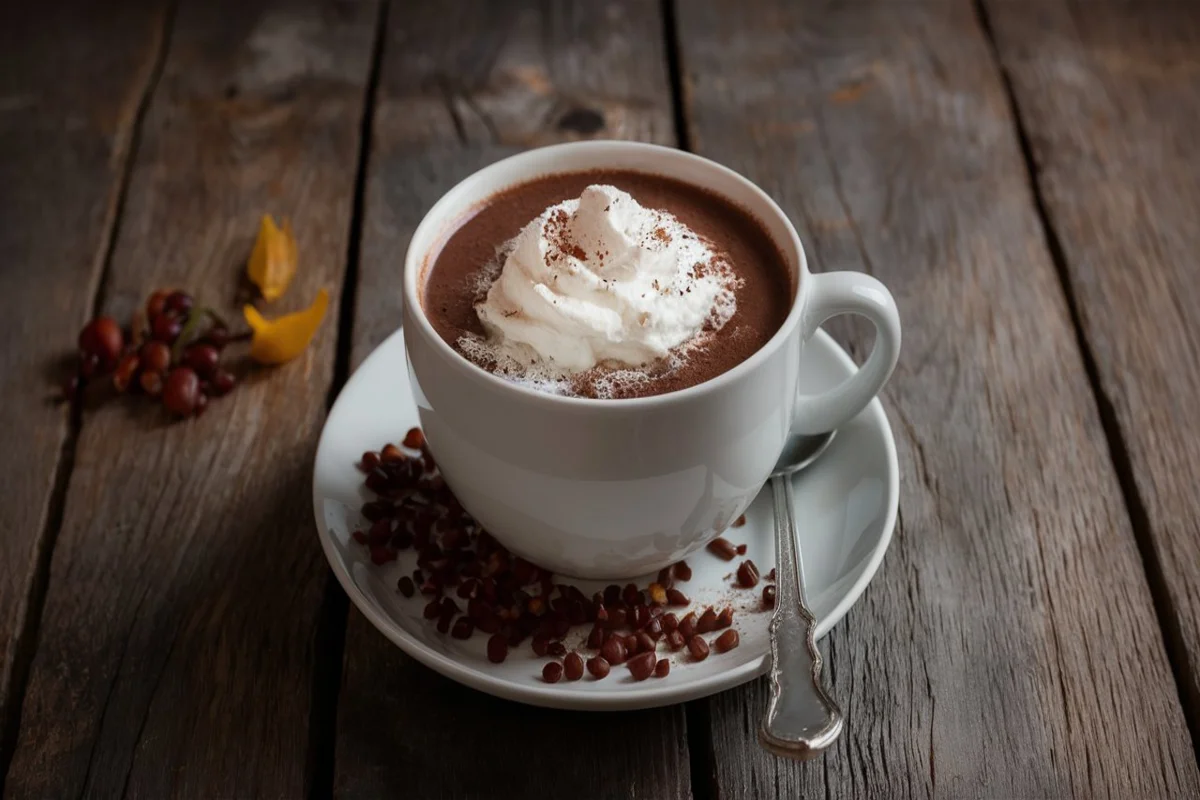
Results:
x,y
802,719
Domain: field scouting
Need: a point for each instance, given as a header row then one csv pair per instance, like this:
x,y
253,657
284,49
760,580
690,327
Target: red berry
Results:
x,y
203,358
179,302
125,372
166,328
181,391
152,382
222,382
201,404
156,356
156,304
102,338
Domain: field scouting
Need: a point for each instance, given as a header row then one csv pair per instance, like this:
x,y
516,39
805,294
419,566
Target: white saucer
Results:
x,y
846,506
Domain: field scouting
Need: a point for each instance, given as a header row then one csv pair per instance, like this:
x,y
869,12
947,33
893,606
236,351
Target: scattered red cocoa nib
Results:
x,y
722,548
747,574
469,583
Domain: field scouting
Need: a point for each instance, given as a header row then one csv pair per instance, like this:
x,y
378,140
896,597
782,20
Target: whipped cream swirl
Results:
x,y
604,280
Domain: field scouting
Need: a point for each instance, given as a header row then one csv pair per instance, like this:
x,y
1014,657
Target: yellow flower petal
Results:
x,y
277,341
273,262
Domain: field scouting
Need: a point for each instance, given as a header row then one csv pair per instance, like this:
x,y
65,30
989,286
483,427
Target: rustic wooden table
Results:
x,y
1021,173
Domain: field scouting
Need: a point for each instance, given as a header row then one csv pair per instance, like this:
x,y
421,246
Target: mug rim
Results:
x,y
434,217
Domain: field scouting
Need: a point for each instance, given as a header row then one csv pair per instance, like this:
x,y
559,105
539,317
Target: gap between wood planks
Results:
x,y
1118,451
697,713
330,643
26,641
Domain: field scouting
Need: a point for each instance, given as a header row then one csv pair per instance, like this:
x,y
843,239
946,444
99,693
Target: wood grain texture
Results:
x,y
1009,645
65,126
462,84
1109,93
468,82
175,652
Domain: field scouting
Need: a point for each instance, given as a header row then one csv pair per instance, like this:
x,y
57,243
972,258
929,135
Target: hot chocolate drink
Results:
x,y
610,284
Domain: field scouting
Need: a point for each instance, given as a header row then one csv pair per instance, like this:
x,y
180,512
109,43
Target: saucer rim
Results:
x,y
553,696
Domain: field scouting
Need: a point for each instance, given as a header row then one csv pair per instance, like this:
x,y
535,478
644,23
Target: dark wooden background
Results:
x,y
1021,173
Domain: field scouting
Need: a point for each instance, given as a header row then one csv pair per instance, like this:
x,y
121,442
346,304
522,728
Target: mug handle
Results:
x,y
830,294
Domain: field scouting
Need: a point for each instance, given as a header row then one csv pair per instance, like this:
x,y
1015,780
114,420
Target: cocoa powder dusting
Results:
x,y
764,296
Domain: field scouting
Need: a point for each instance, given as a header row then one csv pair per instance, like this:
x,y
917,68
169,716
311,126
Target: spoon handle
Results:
x,y
802,719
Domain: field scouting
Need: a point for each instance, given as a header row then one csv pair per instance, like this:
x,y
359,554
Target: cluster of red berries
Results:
x,y
171,351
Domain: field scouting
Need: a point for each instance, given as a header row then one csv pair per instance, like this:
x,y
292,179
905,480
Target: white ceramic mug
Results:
x,y
616,488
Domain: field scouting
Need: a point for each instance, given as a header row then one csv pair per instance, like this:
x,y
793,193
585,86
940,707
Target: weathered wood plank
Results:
x,y
65,127
1009,646
1109,93
175,655
462,84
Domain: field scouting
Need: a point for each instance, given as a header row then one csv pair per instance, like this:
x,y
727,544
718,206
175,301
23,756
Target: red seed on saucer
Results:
x,y
682,571
596,638
707,622
677,598
739,522
642,666
646,643
463,628
598,667
675,640
414,439
641,617
573,666
725,618
747,574
614,650
670,622
687,625
665,578
698,647
741,549
768,597
497,648
557,649
662,668
727,641
405,585
552,672
722,548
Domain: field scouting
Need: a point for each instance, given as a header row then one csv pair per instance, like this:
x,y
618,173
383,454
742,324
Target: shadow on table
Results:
x,y
404,730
